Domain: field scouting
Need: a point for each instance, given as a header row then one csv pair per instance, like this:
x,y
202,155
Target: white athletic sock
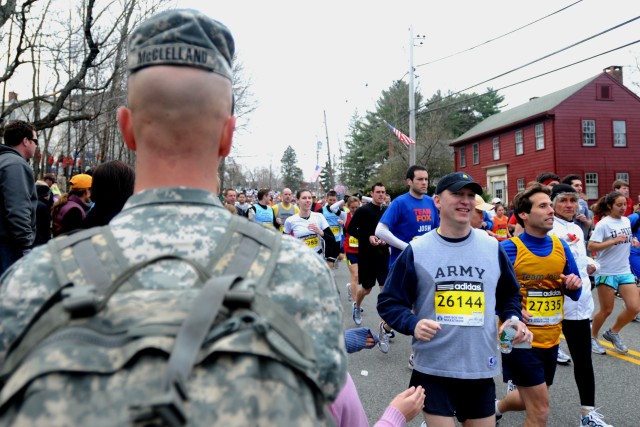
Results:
x,y
497,410
587,409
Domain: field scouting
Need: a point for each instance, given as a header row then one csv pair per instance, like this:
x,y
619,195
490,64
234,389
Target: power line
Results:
x,y
521,81
403,121
550,54
495,38
498,37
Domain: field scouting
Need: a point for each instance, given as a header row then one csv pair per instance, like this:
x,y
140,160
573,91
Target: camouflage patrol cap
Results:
x,y
182,37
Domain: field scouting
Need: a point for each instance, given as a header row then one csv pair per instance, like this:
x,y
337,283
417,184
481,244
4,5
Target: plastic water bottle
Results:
x,y
509,331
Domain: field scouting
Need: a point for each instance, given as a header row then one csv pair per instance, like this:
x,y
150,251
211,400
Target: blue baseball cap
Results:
x,y
457,180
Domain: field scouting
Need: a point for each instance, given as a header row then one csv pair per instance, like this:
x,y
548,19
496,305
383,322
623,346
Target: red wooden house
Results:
x,y
591,129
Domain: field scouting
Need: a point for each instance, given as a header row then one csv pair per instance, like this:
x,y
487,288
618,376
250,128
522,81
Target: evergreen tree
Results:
x,y
291,174
327,177
374,153
357,165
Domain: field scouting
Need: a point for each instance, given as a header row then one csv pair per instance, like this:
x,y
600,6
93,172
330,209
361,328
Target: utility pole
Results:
x,y
412,99
330,171
318,148
341,167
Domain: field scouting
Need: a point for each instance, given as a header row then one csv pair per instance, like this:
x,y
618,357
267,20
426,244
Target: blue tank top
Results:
x,y
332,219
264,216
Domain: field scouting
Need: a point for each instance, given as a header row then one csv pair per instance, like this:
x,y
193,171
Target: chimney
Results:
x,y
13,97
615,71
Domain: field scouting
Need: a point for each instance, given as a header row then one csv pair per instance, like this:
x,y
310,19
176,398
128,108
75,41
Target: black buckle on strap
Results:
x,y
80,301
167,408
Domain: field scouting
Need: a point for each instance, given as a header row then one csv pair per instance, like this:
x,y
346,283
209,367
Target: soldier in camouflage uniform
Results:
x,y
180,121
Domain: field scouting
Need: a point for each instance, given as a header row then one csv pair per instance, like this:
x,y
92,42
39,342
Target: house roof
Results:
x,y
532,108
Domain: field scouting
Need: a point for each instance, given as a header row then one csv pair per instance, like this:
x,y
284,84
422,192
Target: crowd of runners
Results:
x,y
447,265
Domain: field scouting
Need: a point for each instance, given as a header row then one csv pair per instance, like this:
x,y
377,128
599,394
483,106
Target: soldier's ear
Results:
x,y
227,136
126,127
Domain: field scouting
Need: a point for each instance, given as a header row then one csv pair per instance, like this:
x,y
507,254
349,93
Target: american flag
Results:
x,y
401,136
316,173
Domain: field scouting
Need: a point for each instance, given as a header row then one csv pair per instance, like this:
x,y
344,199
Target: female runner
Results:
x,y
310,227
612,239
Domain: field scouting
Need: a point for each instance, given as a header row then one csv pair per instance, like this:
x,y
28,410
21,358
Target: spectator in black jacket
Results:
x,y
43,213
112,185
18,198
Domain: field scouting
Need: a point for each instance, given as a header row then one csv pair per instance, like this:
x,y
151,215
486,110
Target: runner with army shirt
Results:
x,y
444,290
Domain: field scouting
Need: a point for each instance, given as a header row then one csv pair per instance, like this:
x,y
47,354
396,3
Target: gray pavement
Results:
x,y
379,377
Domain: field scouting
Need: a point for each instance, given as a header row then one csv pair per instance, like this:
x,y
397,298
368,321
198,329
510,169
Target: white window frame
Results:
x,y
589,133
519,143
476,153
496,148
499,189
540,136
591,185
463,157
520,184
624,176
619,134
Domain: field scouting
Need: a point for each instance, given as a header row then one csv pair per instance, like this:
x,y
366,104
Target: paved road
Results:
x,y
379,376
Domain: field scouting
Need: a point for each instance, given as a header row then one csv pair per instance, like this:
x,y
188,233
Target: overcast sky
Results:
x,y
304,58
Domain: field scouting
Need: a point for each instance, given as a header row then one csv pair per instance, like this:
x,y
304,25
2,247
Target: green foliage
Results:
x,y
463,111
327,177
392,175
439,120
292,175
358,162
367,146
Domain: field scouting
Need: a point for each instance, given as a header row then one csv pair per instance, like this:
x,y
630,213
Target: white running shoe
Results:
x,y
384,338
563,358
357,314
616,341
596,347
593,419
349,294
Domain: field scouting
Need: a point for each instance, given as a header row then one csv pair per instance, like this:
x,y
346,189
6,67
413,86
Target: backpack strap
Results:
x,y
215,291
81,246
168,405
70,302
193,330
293,342
254,238
47,313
